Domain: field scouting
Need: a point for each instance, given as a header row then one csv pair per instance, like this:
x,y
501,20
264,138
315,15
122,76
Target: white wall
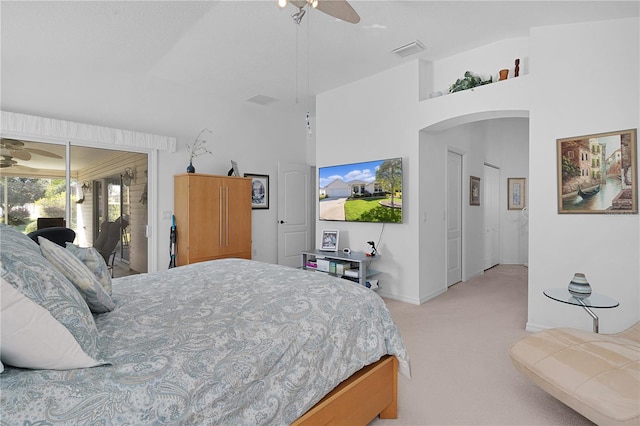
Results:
x,y
485,61
500,142
374,119
257,138
384,120
508,149
586,81
582,79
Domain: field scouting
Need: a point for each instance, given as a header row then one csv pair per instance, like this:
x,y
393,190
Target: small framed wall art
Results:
x,y
474,191
598,173
329,240
516,193
259,191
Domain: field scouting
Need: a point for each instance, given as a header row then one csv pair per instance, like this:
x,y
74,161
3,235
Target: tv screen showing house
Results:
x,y
370,191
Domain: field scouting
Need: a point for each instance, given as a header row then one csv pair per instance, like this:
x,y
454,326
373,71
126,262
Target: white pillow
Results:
x,y
33,338
80,276
93,260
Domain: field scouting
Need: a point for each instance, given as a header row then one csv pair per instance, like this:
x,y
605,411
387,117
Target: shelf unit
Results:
x,y
361,259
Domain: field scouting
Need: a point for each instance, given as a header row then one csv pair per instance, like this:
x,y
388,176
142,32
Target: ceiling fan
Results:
x,y
337,8
13,148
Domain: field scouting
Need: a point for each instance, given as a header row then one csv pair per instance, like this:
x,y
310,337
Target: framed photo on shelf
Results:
x,y
516,193
474,191
259,191
329,240
598,174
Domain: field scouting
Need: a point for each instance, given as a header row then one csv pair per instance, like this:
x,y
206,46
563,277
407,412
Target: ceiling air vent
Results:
x,y
262,100
409,49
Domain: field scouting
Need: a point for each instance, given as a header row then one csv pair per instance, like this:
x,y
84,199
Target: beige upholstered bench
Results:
x,y
598,375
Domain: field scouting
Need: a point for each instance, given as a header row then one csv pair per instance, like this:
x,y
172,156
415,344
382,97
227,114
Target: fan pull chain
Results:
x,y
309,131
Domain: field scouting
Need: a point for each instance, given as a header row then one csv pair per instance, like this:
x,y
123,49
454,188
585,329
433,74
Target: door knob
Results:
x,y
282,221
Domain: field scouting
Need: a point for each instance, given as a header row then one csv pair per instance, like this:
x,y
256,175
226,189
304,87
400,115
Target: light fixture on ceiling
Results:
x,y
297,17
299,4
127,176
338,9
409,49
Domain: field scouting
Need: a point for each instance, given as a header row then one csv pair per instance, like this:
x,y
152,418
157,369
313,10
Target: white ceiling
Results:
x,y
76,60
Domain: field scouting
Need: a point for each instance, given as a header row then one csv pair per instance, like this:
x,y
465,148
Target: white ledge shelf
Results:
x,y
506,98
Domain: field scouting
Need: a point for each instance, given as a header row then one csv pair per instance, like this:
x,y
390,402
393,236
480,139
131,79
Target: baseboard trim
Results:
x,y
533,327
399,298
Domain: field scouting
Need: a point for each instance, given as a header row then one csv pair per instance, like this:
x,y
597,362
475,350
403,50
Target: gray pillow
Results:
x,y
33,276
81,277
95,262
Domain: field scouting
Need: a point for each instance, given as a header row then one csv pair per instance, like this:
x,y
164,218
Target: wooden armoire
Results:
x,y
213,217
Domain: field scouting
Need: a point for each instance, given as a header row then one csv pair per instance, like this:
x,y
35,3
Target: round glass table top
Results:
x,y
594,300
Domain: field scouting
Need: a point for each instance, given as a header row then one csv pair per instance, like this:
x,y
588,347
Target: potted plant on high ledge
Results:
x,y
469,81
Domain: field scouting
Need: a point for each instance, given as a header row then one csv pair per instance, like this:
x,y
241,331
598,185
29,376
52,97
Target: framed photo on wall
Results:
x,y
329,240
516,193
598,173
259,191
474,191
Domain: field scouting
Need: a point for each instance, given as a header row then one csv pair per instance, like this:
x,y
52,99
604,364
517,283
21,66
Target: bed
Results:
x,y
222,342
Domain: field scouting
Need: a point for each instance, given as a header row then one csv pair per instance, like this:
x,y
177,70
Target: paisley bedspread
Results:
x,y
222,342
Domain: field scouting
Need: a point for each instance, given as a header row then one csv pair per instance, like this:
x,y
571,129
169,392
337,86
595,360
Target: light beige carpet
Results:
x,y
459,349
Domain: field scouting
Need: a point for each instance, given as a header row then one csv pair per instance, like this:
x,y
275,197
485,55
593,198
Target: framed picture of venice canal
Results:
x,y
598,173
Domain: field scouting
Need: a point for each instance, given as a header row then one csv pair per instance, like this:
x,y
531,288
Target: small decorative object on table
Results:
x,y
329,240
234,171
579,286
373,248
516,70
197,149
504,74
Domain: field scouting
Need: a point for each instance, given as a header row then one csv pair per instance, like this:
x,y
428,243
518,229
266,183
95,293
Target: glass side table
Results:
x,y
594,300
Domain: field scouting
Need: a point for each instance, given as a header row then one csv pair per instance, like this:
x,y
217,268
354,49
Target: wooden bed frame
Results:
x,y
369,392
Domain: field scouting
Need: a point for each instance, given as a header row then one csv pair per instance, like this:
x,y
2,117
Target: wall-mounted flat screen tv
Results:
x,y
370,191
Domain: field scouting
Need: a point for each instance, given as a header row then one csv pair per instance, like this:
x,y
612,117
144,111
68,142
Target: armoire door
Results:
x,y
236,217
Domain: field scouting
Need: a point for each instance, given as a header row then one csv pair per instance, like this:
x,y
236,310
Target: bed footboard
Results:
x,y
369,392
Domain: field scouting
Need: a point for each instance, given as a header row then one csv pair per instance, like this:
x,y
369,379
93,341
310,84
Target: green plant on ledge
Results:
x,y
468,82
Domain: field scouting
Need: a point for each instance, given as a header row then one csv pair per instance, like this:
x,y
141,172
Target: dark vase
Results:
x,y
190,168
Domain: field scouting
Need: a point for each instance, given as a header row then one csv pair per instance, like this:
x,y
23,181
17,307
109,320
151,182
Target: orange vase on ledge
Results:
x,y
504,74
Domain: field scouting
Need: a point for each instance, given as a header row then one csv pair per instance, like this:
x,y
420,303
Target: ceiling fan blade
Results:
x,y
339,9
11,143
21,154
7,161
42,152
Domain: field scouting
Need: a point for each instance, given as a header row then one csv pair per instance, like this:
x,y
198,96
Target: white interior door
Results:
x,y
491,216
454,218
294,213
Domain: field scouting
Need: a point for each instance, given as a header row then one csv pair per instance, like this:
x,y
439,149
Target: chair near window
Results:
x,y
57,234
50,222
108,240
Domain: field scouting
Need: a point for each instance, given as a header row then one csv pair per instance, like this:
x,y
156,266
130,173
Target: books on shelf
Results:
x,y
332,266
352,273
323,265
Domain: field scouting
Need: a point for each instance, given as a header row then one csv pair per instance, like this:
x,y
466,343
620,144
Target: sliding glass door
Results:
x,y
103,185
